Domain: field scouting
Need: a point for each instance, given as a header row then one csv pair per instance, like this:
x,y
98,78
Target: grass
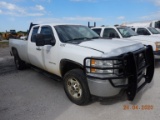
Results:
x,y
4,44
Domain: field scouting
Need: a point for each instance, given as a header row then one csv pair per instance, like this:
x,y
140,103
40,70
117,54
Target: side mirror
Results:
x,y
49,39
39,38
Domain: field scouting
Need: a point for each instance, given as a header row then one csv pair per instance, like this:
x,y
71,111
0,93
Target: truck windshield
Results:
x,y
72,33
126,32
153,30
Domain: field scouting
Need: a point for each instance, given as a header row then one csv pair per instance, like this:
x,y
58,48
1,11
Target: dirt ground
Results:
x,y
29,95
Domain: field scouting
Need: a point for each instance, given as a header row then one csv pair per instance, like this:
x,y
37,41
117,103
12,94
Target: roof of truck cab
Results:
x,y
53,24
105,27
140,27
111,27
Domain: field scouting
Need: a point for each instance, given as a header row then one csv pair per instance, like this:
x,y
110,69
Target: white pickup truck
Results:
x,y
128,34
146,31
87,64
154,24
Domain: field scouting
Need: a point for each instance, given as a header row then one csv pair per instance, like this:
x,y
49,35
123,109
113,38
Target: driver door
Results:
x,y
48,50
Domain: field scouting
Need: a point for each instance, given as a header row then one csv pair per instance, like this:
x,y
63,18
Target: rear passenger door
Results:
x,y
35,53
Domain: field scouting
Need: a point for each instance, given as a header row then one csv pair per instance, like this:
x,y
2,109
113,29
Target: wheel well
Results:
x,y
67,65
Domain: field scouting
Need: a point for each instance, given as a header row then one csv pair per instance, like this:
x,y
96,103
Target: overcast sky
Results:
x,y
17,14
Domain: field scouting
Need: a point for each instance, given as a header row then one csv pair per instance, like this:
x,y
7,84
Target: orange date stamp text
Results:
x,y
138,107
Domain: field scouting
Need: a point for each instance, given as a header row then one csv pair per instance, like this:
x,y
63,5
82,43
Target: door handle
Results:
x,y
38,49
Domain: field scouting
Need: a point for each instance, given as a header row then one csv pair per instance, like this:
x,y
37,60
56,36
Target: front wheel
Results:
x,y
76,87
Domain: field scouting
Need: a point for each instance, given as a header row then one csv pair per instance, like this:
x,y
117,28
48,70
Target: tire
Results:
x,y
76,87
20,65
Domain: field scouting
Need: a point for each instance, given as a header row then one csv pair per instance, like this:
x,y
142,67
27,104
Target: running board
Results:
x,y
47,74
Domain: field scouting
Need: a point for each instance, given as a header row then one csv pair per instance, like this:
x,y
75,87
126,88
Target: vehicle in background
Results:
x,y
11,34
146,31
155,24
87,64
127,33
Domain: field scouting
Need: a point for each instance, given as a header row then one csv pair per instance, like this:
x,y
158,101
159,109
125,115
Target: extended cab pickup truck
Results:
x,y
87,64
146,31
128,34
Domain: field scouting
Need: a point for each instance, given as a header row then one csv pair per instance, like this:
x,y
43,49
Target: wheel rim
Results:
x,y
74,88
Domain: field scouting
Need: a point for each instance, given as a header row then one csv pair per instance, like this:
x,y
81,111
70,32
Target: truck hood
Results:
x,y
146,38
112,47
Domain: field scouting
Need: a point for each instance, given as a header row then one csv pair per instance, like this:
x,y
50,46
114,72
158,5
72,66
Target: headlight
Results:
x,y
94,64
157,46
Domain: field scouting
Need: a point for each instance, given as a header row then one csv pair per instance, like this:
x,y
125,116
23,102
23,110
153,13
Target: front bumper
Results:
x,y
133,71
102,88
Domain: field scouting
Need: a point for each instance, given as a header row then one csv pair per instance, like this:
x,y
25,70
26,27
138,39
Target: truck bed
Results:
x,y
21,47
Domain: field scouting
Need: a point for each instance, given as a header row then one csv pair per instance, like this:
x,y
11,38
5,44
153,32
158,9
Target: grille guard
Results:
x,y
131,71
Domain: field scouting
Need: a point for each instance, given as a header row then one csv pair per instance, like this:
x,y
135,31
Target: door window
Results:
x,y
142,31
98,31
34,32
47,32
110,33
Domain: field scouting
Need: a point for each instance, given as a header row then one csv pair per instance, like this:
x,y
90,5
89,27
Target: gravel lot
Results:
x,y
28,95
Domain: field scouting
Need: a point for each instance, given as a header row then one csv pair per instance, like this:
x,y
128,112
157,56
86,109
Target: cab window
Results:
x,y
47,32
143,31
34,32
98,31
110,33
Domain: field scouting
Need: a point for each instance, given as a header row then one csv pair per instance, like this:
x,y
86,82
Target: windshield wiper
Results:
x,y
82,38
75,39
127,36
131,36
95,37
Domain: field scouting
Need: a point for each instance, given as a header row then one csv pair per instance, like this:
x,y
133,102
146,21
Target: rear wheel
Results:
x,y
20,64
76,87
